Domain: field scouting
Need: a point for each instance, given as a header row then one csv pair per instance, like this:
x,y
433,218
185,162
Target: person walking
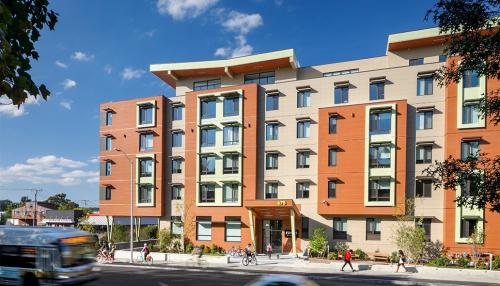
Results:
x,y
347,259
401,261
269,250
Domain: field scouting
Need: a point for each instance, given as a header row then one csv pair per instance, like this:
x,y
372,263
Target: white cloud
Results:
x,y
65,104
238,49
61,64
10,110
150,33
242,23
94,160
108,69
68,83
130,73
181,9
81,56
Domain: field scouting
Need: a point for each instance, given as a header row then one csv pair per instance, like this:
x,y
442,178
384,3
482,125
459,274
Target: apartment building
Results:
x,y
259,150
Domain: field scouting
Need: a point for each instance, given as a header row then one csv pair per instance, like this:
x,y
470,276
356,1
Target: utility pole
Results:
x,y
36,191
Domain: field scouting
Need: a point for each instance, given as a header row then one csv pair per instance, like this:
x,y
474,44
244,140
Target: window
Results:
x,y
466,184
206,84
443,58
230,193
177,139
470,113
26,257
146,114
106,168
208,108
416,62
303,129
272,102
377,90
380,190
302,190
208,137
145,194
467,227
231,135
470,79
305,227
339,228
341,94
109,143
425,223
341,72
176,225
469,149
145,167
207,165
424,85
260,78
332,124
108,118
231,106
207,193
176,166
303,98
373,229
203,228
332,189
271,161
303,159
332,157
380,122
230,163
146,142
232,232
176,192
271,191
424,155
380,156
271,131
176,113
105,193
423,188
424,120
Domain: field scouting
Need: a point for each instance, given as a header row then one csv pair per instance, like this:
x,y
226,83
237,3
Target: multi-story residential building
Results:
x,y
259,150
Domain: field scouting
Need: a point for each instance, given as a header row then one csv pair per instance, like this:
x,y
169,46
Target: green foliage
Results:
x,y
148,232
206,249
214,249
84,225
496,262
360,254
394,258
463,262
440,261
165,239
333,255
318,242
340,247
120,233
21,22
433,250
189,248
61,202
408,236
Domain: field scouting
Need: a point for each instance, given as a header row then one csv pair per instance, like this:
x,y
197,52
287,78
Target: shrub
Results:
x,y
334,255
206,249
440,261
496,262
188,248
214,249
463,262
433,250
340,247
165,240
120,233
318,242
394,258
360,254
148,232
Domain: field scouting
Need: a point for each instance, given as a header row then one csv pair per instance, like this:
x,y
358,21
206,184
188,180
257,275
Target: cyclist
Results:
x,y
112,248
248,250
145,251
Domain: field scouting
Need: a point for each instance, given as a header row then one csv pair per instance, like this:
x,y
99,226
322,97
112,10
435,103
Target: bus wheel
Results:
x,y
30,280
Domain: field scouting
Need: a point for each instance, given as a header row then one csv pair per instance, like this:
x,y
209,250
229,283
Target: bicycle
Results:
x,y
249,260
104,257
140,259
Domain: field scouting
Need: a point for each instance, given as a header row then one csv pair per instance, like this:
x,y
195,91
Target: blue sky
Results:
x,y
101,50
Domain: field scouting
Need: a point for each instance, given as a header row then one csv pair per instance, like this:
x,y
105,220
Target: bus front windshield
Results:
x,y
77,254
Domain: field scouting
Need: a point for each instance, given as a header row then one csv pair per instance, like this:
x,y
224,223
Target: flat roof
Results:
x,y
414,39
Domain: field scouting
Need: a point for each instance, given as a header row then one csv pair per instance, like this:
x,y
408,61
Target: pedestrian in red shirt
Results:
x,y
347,259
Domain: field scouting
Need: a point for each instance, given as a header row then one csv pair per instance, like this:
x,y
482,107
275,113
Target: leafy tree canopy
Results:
x,y
61,202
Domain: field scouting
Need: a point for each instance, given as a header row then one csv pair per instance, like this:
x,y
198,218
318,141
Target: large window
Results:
x,y
271,161
176,192
416,61
303,98
146,167
206,84
424,85
380,122
146,114
260,78
339,228
232,232
332,157
373,229
208,108
425,224
230,193
231,106
231,135
303,159
203,228
208,137
305,227
469,149
272,102
380,156
303,129
424,154
423,188
146,142
470,113
341,94
302,190
207,193
230,164
424,120
176,166
470,79
380,190
177,139
332,124
271,131
468,227
145,194
176,225
271,190
377,90
176,112
332,189
207,165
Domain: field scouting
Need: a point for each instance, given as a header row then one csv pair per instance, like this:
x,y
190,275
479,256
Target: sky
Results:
x,y
100,51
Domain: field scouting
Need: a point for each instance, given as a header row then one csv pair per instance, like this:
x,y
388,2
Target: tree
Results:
x,y
407,235
20,24
24,200
472,43
61,202
318,241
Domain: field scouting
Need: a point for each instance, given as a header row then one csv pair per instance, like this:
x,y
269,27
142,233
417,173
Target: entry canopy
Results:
x,y
273,209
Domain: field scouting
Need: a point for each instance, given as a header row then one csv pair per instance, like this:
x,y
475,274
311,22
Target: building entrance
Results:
x,y
271,232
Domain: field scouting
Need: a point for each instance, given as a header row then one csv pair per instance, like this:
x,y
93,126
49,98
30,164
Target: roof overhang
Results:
x,y
415,39
172,72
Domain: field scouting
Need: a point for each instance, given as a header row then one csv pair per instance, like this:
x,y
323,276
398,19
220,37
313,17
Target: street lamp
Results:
x,y
131,203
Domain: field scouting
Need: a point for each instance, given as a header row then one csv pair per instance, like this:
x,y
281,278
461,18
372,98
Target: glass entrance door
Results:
x,y
271,231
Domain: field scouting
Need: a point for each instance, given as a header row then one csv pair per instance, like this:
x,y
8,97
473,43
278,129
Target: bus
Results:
x,y
46,256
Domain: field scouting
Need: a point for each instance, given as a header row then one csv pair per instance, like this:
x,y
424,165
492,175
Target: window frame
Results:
x,y
341,94
427,87
377,90
302,190
273,162
274,100
336,233
143,108
231,106
176,192
426,150
232,220
374,158
143,169
262,78
332,157
303,98
206,193
108,118
332,192
176,166
271,190
332,124
423,188
470,79
140,195
304,227
207,84
378,190
204,220
303,159
427,123
376,118
205,110
234,135
177,139
234,190
205,137
274,134
207,170
470,149
234,169
373,234
143,140
415,62
303,129
177,112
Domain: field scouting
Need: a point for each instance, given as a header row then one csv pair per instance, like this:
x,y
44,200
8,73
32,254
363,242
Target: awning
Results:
x,y
377,79
272,92
304,118
341,83
273,208
231,123
475,138
426,73
420,178
303,88
177,103
426,108
425,143
230,93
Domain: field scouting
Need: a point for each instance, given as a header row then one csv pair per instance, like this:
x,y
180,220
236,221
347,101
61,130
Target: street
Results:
x,y
124,275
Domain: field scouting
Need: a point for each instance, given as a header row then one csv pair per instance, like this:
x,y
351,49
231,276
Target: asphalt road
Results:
x,y
172,276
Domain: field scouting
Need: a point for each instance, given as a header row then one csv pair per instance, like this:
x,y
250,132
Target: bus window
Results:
x,y
77,254
18,256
